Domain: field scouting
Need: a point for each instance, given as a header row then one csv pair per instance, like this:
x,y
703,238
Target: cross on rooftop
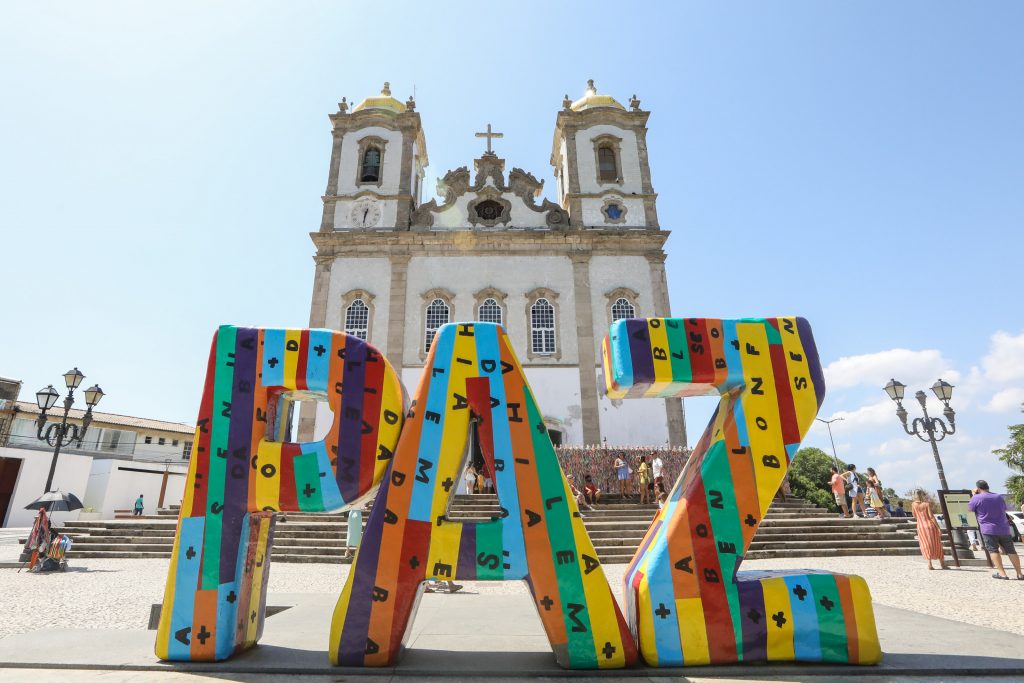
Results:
x,y
489,134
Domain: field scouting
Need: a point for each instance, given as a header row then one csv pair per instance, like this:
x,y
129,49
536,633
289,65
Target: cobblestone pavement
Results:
x,y
117,593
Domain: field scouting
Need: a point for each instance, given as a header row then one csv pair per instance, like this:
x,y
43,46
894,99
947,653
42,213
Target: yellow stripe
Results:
x,y
868,649
804,400
780,638
388,434
693,635
662,366
340,612
268,489
163,631
596,591
763,442
645,627
190,482
291,358
257,582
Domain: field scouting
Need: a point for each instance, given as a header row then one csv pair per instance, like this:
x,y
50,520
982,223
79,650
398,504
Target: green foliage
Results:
x,y
1013,456
809,475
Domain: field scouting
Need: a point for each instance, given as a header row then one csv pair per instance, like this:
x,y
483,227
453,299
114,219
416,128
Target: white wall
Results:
x,y
629,163
71,476
520,214
115,484
592,214
514,275
635,421
372,274
608,273
349,164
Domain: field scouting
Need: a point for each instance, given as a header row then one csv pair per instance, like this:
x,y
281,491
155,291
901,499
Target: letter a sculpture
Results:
x,y
685,599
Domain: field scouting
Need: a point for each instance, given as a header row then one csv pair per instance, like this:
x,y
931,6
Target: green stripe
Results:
x,y
307,471
488,542
223,379
832,626
725,526
559,526
681,371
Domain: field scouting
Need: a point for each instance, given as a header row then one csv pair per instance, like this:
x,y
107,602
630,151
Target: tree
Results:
x,y
932,501
1013,456
809,474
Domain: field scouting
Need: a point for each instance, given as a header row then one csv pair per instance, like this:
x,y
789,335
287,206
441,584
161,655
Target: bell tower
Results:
x,y
600,159
377,165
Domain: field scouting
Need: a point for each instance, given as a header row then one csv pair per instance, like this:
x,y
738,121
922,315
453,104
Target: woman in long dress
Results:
x,y
928,535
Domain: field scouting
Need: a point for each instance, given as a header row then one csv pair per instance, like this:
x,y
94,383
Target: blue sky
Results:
x,y
856,163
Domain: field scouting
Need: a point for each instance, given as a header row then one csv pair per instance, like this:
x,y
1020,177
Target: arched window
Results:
x,y
489,312
542,327
437,315
357,319
370,172
607,168
622,308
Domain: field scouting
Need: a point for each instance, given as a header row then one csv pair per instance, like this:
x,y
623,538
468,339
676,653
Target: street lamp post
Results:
x,y
58,434
931,430
928,429
828,423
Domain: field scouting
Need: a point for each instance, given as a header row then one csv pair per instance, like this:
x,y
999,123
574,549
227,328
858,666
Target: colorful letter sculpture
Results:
x,y
472,374
685,599
216,587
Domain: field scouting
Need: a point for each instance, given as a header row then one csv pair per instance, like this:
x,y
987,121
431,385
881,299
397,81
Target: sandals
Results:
x,y
1000,577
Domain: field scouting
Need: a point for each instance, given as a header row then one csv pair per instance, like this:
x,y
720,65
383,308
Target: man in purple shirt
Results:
x,y
990,509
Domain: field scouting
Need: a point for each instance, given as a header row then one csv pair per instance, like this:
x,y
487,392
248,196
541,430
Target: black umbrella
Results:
x,y
55,501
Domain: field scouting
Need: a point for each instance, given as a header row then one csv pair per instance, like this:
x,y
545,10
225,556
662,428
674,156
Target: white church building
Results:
x,y
392,269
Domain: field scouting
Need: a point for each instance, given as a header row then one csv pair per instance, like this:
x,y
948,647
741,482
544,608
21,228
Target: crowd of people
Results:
x,y
855,494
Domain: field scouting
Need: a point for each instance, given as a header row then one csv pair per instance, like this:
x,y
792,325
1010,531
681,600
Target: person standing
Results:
x,y
622,470
643,475
839,490
990,508
657,469
139,506
353,531
928,536
875,494
470,479
856,493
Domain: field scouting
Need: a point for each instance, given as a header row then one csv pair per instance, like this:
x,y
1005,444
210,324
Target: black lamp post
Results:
x,y
58,434
927,428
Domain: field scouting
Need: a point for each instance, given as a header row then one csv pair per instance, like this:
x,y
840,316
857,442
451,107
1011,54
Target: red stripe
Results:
x,y
202,452
787,411
300,369
415,544
717,617
478,390
701,362
288,498
374,379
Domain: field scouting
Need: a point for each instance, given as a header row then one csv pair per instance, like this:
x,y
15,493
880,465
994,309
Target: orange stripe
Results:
x,y
744,486
335,372
849,617
205,621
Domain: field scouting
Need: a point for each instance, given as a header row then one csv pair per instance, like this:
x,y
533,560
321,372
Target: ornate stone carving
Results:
x,y
489,209
614,210
489,165
525,185
557,216
453,185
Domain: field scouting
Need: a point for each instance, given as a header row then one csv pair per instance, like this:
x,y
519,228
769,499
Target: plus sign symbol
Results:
x,y
547,602
203,635
800,592
662,611
319,349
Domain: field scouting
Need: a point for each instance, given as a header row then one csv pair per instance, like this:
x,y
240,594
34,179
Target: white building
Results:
x,y
392,269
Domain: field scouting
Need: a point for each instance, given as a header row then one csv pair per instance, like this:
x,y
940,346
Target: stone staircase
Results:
x,y
791,529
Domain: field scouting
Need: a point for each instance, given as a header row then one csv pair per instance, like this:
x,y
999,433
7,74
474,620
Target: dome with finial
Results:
x,y
382,101
591,99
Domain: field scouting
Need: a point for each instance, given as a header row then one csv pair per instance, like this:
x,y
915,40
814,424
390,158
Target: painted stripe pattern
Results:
x,y
472,376
241,472
686,599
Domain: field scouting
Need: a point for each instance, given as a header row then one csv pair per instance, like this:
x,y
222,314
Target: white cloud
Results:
x,y
1004,361
875,369
1006,401
872,415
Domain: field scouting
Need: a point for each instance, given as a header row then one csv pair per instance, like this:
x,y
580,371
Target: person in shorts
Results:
x,y
657,469
990,508
839,491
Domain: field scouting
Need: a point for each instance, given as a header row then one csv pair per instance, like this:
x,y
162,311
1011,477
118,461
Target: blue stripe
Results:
x,y
186,582
660,590
318,365
430,435
732,355
489,348
329,490
273,348
620,357
806,630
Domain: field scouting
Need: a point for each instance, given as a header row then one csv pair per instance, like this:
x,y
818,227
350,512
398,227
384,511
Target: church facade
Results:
x,y
392,269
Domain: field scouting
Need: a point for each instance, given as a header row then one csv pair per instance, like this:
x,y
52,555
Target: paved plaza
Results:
x,y
925,623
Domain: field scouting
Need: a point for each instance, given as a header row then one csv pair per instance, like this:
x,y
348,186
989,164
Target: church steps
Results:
x,y
791,529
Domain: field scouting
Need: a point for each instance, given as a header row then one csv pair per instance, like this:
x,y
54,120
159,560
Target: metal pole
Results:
x,y
828,423
929,427
61,431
